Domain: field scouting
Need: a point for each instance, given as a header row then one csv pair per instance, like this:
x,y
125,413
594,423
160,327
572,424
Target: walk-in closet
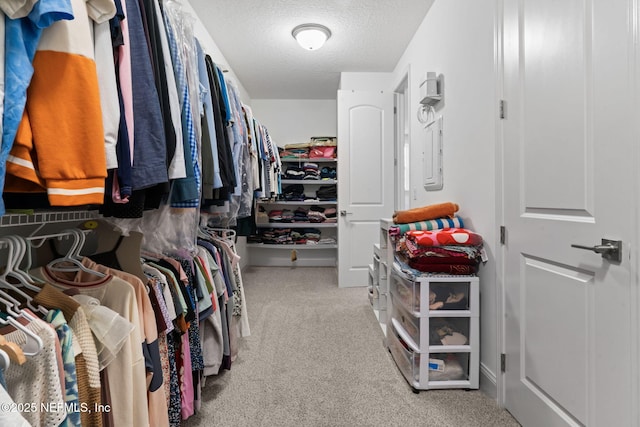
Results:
x,y
301,213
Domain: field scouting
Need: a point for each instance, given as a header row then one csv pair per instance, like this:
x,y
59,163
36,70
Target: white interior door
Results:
x,y
569,171
365,179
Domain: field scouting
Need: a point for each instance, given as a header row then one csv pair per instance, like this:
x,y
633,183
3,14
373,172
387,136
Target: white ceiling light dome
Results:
x,y
311,36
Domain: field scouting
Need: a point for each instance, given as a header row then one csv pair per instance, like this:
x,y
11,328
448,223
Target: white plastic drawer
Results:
x,y
450,331
382,299
406,358
377,250
406,292
423,370
448,367
408,322
376,265
451,294
373,276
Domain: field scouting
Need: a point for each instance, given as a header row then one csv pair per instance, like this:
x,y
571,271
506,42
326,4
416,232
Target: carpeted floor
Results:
x,y
315,358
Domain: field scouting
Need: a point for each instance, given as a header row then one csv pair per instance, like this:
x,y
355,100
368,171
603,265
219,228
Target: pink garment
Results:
x,y
115,192
186,380
126,87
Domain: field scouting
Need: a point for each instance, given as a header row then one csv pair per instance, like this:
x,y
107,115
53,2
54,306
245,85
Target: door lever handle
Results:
x,y
345,213
609,249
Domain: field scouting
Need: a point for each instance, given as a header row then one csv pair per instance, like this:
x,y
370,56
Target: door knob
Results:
x,y
345,213
609,249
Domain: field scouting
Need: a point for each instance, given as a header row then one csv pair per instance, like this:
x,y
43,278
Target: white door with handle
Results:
x,y
365,179
570,171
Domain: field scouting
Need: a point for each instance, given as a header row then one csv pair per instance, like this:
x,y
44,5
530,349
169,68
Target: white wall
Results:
x,y
456,39
296,120
210,47
364,81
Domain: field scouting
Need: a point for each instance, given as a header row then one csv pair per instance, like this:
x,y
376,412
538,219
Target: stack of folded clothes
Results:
x,y
276,236
311,171
328,173
293,192
311,235
294,172
293,153
316,214
327,193
300,215
451,251
287,236
331,215
275,215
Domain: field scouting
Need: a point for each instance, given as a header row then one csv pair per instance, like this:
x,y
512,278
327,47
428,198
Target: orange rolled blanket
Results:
x,y
424,213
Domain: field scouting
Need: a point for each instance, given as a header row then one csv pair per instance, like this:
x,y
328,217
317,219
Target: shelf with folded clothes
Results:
x,y
282,215
309,171
298,225
309,181
304,246
307,202
308,237
307,159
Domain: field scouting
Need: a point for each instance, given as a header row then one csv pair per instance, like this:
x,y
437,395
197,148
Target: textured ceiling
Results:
x,y
255,38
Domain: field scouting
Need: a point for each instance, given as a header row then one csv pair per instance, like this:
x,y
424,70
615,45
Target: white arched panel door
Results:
x,y
365,179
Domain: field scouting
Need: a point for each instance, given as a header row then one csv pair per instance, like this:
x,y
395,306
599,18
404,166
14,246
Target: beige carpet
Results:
x,y
315,358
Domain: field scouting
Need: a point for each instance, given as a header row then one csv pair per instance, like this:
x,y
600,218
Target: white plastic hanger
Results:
x,y
10,271
24,250
5,362
73,257
12,350
34,343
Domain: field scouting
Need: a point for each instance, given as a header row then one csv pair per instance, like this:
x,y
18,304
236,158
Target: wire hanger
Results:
x,y
73,259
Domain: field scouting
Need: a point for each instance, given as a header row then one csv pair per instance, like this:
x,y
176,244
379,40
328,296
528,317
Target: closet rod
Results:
x,y
42,238
12,220
38,241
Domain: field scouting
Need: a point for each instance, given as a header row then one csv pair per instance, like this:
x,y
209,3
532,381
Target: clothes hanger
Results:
x,y
12,350
73,257
10,271
5,362
13,268
33,343
26,245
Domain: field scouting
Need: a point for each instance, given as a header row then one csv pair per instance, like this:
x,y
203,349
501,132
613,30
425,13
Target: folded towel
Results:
x,y
424,213
433,224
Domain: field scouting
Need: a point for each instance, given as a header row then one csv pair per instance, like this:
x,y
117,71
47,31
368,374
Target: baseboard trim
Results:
x,y
488,382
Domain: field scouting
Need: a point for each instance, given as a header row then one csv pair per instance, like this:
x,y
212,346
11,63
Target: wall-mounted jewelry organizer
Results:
x,y
431,94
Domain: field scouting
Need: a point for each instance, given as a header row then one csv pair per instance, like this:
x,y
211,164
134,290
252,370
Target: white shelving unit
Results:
x,y
305,255
428,345
379,275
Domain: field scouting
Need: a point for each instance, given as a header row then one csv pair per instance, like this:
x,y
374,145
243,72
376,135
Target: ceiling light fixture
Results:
x,y
311,36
